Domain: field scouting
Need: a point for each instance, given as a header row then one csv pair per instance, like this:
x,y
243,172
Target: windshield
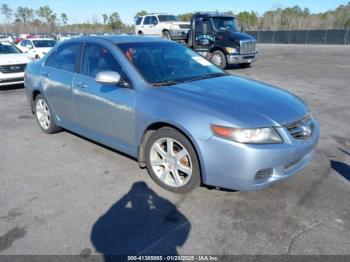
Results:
x,y
167,18
225,23
44,43
7,48
165,63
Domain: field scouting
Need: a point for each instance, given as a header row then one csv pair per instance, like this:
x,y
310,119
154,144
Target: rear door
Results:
x,y
57,76
105,110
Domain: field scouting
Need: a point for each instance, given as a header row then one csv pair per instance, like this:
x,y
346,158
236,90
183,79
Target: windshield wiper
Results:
x,y
166,83
207,76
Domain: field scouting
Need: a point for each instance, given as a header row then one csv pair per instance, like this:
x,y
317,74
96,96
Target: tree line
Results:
x,y
44,19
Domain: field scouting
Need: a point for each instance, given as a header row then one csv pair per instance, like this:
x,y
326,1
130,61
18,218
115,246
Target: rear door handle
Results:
x,y
81,84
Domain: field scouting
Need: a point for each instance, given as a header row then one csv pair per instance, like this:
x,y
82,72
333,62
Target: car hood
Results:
x,y
239,101
10,59
236,36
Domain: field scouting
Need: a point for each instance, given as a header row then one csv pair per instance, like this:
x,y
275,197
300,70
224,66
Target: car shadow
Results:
x,y
342,169
140,223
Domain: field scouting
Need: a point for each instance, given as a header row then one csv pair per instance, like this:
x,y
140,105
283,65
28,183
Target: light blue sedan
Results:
x,y
183,118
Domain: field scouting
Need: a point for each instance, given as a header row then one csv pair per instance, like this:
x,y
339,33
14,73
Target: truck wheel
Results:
x,y
166,35
171,161
245,65
218,58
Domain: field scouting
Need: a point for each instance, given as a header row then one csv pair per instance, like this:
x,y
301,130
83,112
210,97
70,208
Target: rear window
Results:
x,y
138,21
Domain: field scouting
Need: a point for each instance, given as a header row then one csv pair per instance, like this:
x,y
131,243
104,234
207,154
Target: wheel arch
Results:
x,y
151,128
35,93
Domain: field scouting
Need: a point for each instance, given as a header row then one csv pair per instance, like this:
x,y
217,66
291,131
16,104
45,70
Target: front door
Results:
x,y
106,110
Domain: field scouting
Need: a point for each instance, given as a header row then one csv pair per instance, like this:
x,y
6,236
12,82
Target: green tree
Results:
x,y
64,19
44,12
25,14
185,17
6,11
140,13
105,18
114,21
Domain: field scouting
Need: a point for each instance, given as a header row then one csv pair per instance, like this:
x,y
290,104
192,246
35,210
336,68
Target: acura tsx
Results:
x,y
184,119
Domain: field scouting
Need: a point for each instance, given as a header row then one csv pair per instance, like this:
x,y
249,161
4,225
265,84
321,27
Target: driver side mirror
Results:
x,y
155,22
108,78
29,47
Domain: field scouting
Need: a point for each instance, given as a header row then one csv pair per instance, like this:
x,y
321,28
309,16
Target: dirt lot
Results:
x,y
62,194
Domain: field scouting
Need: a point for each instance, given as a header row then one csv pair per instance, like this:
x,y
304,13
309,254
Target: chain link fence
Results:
x,y
323,37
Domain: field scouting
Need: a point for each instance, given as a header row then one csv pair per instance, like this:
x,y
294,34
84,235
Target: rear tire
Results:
x,y
171,161
218,58
166,35
44,116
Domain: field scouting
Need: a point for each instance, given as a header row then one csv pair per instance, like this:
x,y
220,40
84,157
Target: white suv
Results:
x,y
166,26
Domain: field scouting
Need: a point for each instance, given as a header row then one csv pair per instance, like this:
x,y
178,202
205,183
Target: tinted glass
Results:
x,y
44,43
147,20
154,20
167,18
7,48
64,57
161,62
138,21
24,43
96,59
225,23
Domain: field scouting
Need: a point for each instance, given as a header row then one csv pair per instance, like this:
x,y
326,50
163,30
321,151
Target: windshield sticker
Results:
x,y
201,60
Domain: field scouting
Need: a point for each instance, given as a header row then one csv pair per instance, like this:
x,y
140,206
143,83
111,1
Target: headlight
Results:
x,y
231,50
248,136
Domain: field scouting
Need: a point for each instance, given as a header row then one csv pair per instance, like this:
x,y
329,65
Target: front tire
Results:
x,y
172,161
44,116
218,58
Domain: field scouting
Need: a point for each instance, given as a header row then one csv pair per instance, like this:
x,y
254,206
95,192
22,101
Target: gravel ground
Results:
x,y
62,194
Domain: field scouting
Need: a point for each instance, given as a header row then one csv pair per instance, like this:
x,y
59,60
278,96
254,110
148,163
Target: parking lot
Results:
x,y
63,194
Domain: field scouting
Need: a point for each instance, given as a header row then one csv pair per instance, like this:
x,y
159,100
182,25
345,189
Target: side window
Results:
x,y
147,20
154,20
64,57
96,59
138,21
24,43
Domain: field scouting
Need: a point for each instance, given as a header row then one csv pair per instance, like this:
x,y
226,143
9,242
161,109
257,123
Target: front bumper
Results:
x,y
232,165
11,79
178,34
241,59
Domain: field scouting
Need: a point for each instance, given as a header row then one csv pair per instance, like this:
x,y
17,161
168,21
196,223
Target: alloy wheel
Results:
x,y
43,113
171,162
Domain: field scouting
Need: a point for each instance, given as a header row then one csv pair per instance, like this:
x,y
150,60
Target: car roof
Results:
x,y
118,39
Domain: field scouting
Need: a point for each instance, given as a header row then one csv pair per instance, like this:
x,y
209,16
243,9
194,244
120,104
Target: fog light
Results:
x,y
264,173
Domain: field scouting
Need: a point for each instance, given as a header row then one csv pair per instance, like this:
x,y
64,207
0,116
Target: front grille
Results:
x,y
302,129
184,26
248,47
8,69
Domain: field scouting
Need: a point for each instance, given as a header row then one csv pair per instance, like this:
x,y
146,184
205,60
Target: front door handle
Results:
x,y
81,84
45,74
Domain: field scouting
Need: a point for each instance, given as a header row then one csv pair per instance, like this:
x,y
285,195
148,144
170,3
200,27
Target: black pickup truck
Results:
x,y
218,38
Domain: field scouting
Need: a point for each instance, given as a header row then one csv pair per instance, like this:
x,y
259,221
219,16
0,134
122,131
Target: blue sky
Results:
x,y
80,11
